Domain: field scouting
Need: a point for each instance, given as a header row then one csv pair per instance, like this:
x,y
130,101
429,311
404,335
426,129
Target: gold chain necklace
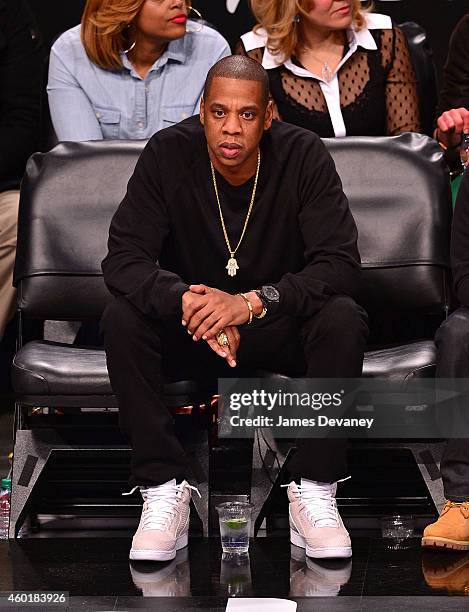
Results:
x,y
232,265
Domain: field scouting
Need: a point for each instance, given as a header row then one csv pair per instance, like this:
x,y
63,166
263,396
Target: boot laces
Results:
x,y
160,504
463,507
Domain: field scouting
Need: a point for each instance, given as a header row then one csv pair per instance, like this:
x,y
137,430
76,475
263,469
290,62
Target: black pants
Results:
x,y
142,352
452,341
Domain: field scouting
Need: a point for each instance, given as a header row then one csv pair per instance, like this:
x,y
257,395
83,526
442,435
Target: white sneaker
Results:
x,y
318,577
164,524
163,580
315,522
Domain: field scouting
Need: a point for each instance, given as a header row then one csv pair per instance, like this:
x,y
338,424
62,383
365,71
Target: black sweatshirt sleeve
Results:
x,y
330,239
460,243
136,237
20,82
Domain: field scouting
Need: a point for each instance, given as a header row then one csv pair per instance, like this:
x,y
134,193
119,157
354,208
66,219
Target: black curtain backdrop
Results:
x,y
55,16
232,17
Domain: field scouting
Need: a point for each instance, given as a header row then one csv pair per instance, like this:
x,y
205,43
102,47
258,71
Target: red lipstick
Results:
x,y
182,18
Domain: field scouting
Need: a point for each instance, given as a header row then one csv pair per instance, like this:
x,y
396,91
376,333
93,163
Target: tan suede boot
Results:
x,y
451,530
448,571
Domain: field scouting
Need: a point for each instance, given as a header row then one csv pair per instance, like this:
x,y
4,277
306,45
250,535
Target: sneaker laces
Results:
x,y
320,506
160,503
319,503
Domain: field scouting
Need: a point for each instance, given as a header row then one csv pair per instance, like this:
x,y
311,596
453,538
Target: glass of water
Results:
x,y
235,526
397,531
235,574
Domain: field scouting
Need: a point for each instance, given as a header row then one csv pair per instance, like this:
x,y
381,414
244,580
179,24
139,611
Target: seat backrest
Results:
x,y
398,190
399,193
68,198
425,70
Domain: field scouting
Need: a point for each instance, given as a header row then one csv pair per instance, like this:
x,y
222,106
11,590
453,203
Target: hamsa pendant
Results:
x,y
232,266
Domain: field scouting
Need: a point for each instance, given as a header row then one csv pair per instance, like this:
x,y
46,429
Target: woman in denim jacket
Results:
x,y
130,69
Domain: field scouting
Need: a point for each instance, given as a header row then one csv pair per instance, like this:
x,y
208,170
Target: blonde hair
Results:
x,y
278,18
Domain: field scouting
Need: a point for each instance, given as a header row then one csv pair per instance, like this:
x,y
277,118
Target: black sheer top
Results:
x,y
378,90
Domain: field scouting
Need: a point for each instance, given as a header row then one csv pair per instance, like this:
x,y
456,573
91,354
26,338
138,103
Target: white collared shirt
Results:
x,y
330,89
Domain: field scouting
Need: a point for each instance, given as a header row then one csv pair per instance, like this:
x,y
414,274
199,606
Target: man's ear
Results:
x,y
202,111
269,115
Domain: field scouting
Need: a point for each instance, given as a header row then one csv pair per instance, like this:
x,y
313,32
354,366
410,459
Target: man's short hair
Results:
x,y
242,68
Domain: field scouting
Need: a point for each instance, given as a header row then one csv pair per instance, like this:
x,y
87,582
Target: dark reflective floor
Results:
x,y
98,575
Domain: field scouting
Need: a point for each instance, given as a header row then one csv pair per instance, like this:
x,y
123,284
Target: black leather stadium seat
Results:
x,y
69,196
398,190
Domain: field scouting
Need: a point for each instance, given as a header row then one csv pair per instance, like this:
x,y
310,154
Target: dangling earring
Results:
x,y
200,23
127,27
296,19
130,48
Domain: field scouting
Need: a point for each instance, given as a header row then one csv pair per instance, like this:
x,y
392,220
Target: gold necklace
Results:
x,y
232,265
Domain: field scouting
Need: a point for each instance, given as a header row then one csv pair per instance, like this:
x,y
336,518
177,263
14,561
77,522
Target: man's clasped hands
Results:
x,y
207,311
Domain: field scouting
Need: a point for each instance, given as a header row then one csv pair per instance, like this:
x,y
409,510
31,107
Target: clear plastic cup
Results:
x,y
235,574
235,526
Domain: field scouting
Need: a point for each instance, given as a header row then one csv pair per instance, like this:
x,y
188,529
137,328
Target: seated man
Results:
x,y
451,530
256,259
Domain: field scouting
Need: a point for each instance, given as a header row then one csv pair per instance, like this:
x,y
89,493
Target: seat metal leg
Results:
x,y
198,455
30,455
267,463
428,458
32,450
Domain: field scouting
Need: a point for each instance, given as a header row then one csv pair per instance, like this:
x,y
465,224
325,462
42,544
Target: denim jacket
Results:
x,y
90,103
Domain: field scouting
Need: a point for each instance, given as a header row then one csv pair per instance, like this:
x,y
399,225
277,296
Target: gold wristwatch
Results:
x,y
262,314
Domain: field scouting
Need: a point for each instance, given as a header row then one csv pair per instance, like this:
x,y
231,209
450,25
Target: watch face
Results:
x,y
270,293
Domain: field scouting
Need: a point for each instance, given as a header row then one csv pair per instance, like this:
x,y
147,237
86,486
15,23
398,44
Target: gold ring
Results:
x,y
222,338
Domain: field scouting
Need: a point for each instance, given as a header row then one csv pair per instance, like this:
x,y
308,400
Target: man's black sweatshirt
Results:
x,y
167,233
